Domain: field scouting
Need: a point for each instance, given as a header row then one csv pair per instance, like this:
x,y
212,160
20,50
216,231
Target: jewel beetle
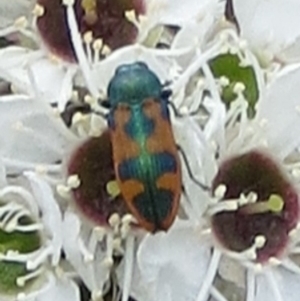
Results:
x,y
145,154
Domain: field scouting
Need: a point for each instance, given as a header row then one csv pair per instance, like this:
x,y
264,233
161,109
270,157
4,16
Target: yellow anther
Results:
x,y
88,37
90,9
260,241
38,10
98,43
113,189
130,15
21,22
274,204
90,99
220,191
89,5
105,50
73,181
239,87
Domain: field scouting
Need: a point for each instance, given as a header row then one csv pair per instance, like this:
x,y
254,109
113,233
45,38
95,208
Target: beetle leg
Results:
x,y
230,15
187,205
192,177
103,115
175,110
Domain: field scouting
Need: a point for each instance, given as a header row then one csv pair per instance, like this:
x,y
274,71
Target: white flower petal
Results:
x,y
94,273
192,34
104,71
139,290
51,215
30,134
269,25
174,12
62,289
175,262
288,284
277,283
291,53
31,70
200,161
11,10
13,65
71,231
279,111
52,81
3,181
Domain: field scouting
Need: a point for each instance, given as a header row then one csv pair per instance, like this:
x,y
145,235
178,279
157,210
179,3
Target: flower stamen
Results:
x,y
97,46
21,281
210,275
97,295
108,261
38,10
73,181
87,255
96,236
88,40
114,220
63,191
274,261
130,15
291,266
14,226
11,214
105,50
230,204
250,253
274,204
33,263
77,44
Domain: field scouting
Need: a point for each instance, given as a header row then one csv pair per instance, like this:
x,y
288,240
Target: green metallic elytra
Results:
x,y
132,84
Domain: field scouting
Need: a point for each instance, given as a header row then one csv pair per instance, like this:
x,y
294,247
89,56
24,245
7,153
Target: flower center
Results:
x,y
268,216
104,19
97,195
229,69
